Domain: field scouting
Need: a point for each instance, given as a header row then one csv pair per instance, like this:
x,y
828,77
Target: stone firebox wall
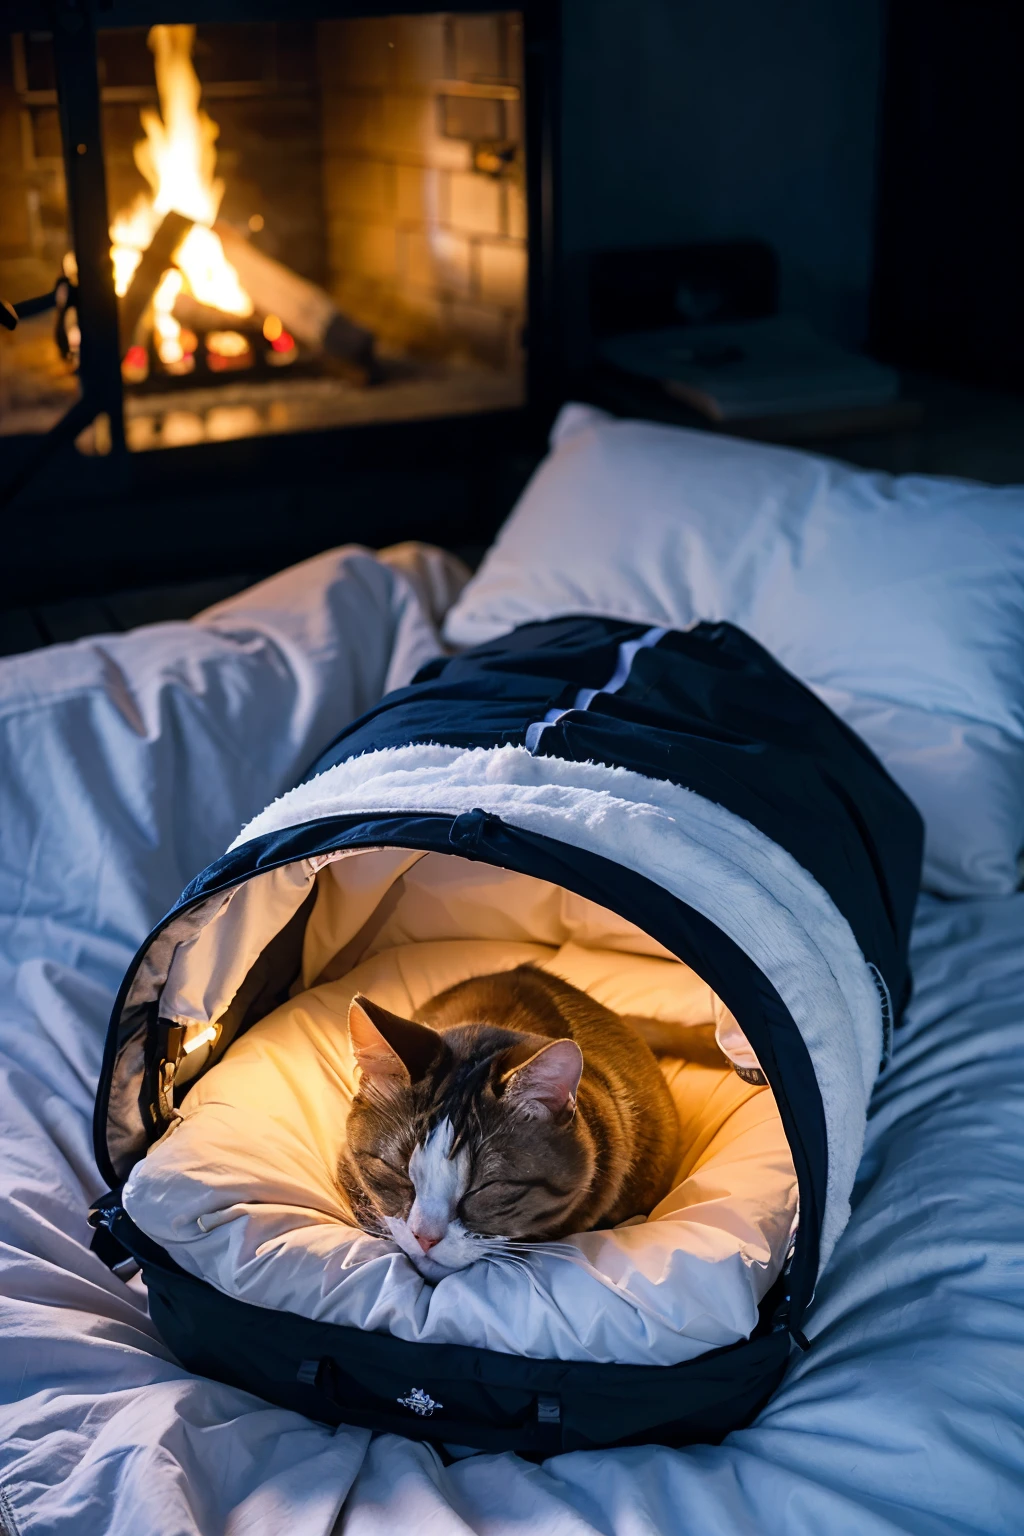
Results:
x,y
424,245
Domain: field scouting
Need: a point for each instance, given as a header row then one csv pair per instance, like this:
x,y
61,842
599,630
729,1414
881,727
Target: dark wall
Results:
x,y
707,119
949,295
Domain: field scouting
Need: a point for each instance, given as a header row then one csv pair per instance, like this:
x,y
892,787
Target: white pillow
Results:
x,y
900,601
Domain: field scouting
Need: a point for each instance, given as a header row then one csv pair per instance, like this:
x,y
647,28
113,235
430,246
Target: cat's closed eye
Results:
x,y
387,1176
496,1187
490,1207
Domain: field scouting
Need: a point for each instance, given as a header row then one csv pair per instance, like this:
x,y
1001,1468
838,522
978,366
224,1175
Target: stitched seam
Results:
x,y
627,654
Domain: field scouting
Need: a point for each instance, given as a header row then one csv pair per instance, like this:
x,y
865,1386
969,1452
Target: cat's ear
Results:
x,y
541,1079
392,1052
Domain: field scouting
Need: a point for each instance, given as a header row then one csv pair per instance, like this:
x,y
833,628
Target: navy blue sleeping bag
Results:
x,y
683,780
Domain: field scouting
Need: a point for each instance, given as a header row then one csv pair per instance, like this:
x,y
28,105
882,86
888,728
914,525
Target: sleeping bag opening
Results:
x,y
242,1189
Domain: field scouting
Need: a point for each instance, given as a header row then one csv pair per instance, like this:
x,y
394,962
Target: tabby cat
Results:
x,y
513,1108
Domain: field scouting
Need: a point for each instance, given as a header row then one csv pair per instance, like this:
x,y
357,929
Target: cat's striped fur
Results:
x,y
512,1108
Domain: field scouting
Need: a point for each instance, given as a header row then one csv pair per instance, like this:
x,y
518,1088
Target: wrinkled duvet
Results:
x,y
126,764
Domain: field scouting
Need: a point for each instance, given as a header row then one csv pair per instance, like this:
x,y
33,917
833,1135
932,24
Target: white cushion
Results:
x,y
899,601
242,1191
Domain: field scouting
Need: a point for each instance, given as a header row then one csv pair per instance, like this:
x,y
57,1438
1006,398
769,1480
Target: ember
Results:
x,y
227,350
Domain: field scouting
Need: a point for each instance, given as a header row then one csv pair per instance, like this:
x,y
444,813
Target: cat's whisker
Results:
x,y
534,1242
508,1260
485,1139
514,1263
554,1249
565,1251
513,1249
371,1231
489,1251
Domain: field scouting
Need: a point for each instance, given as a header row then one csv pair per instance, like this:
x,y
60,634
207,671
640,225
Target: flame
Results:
x,y
165,328
178,158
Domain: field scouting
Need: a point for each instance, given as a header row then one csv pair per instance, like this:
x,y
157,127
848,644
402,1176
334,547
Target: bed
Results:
x,y
906,1413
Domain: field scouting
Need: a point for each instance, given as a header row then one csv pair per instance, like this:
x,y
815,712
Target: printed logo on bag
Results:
x,y
420,1402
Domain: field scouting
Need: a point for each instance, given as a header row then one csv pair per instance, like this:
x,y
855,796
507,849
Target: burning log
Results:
x,y
303,308
158,256
206,317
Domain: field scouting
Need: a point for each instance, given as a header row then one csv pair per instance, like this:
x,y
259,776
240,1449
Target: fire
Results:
x,y
178,159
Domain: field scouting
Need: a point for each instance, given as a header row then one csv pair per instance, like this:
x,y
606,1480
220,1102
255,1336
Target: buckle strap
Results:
x,y
102,1215
164,1051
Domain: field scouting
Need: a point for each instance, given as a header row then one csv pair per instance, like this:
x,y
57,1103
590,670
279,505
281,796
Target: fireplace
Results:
x,y
268,236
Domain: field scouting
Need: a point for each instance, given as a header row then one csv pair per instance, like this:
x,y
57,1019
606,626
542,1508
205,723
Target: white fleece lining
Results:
x,y
716,862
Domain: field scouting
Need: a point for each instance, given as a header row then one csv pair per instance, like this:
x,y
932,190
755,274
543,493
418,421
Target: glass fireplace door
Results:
x,y
313,224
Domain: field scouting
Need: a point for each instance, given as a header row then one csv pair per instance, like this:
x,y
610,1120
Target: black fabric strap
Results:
x,y
104,1244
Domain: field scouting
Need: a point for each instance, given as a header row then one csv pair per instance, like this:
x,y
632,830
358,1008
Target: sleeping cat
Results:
x,y
513,1109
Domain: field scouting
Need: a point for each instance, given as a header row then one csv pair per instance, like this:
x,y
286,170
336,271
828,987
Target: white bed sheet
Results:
x,y
124,766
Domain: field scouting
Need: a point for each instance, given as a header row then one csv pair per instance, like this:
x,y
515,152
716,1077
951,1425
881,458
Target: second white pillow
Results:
x,y
899,601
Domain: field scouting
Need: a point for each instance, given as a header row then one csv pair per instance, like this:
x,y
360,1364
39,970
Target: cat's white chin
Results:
x,y
456,1250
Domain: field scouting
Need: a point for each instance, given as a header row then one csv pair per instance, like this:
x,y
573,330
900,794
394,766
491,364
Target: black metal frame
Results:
x,y
75,24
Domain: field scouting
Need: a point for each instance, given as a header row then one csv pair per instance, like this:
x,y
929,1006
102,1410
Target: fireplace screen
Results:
x,y
37,377
312,225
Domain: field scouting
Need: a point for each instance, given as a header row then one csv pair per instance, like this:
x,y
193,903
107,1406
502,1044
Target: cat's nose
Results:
x,y
426,1243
